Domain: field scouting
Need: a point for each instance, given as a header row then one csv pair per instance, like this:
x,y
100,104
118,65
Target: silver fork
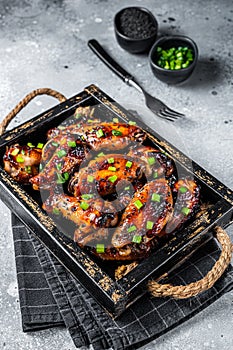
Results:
x,y
155,105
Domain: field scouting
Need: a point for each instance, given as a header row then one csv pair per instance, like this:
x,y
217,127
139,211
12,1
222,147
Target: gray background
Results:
x,y
44,44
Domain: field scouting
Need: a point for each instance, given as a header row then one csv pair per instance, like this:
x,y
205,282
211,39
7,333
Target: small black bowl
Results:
x,y
173,76
135,29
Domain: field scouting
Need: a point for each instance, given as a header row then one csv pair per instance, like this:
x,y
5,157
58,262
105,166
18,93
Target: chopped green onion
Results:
x,y
40,145
112,168
101,154
138,204
174,58
66,175
60,127
77,115
62,179
155,175
183,189
116,132
132,123
71,143
100,248
155,197
131,228
23,152
90,178
99,133
128,164
87,196
115,120
55,144
84,205
91,121
30,145
137,239
127,188
28,169
149,225
113,178
15,152
59,166
56,211
111,160
61,153
185,211
151,160
19,159
40,167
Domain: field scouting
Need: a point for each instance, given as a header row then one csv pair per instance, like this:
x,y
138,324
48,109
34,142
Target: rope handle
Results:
x,y
156,289
25,101
194,288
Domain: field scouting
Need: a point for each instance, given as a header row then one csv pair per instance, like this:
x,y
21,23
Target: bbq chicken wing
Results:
x,y
66,159
158,163
104,174
92,217
22,162
187,202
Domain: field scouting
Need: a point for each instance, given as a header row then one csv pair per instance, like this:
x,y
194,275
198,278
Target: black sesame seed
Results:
x,y
136,24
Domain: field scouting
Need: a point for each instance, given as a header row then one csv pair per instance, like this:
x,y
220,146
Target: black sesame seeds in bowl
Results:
x,y
135,29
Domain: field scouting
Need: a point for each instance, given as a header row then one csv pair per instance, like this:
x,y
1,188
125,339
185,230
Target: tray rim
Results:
x,y
117,301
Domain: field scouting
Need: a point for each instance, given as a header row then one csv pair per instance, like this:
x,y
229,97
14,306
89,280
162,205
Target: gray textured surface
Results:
x,y
44,44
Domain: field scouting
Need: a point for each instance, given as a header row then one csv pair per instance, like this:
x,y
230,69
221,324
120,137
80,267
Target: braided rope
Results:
x,y
156,289
25,101
194,288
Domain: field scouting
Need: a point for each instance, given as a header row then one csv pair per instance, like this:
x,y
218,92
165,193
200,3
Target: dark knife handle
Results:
x,y
108,60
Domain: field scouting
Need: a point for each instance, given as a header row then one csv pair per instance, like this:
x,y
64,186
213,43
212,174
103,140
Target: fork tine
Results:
x,y
177,114
166,116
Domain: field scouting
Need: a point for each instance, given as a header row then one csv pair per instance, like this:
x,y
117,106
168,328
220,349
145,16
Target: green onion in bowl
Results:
x,y
174,58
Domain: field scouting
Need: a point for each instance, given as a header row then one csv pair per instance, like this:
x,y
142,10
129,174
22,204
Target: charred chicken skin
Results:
x,y
158,164
144,218
91,216
82,115
105,135
67,157
121,196
22,162
103,174
187,202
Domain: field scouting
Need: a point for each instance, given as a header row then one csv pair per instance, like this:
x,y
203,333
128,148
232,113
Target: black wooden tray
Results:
x,y
96,276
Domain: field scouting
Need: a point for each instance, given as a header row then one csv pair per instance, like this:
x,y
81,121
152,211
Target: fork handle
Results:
x,y
109,61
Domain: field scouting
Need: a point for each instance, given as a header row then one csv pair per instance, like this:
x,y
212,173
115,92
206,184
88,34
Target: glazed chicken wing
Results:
x,y
111,136
158,163
141,223
105,135
102,175
187,202
22,162
81,116
64,161
154,204
92,217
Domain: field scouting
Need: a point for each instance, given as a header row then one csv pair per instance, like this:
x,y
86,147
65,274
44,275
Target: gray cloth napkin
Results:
x,y
50,296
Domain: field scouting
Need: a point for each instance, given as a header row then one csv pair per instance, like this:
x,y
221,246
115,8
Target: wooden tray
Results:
x,y
96,276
